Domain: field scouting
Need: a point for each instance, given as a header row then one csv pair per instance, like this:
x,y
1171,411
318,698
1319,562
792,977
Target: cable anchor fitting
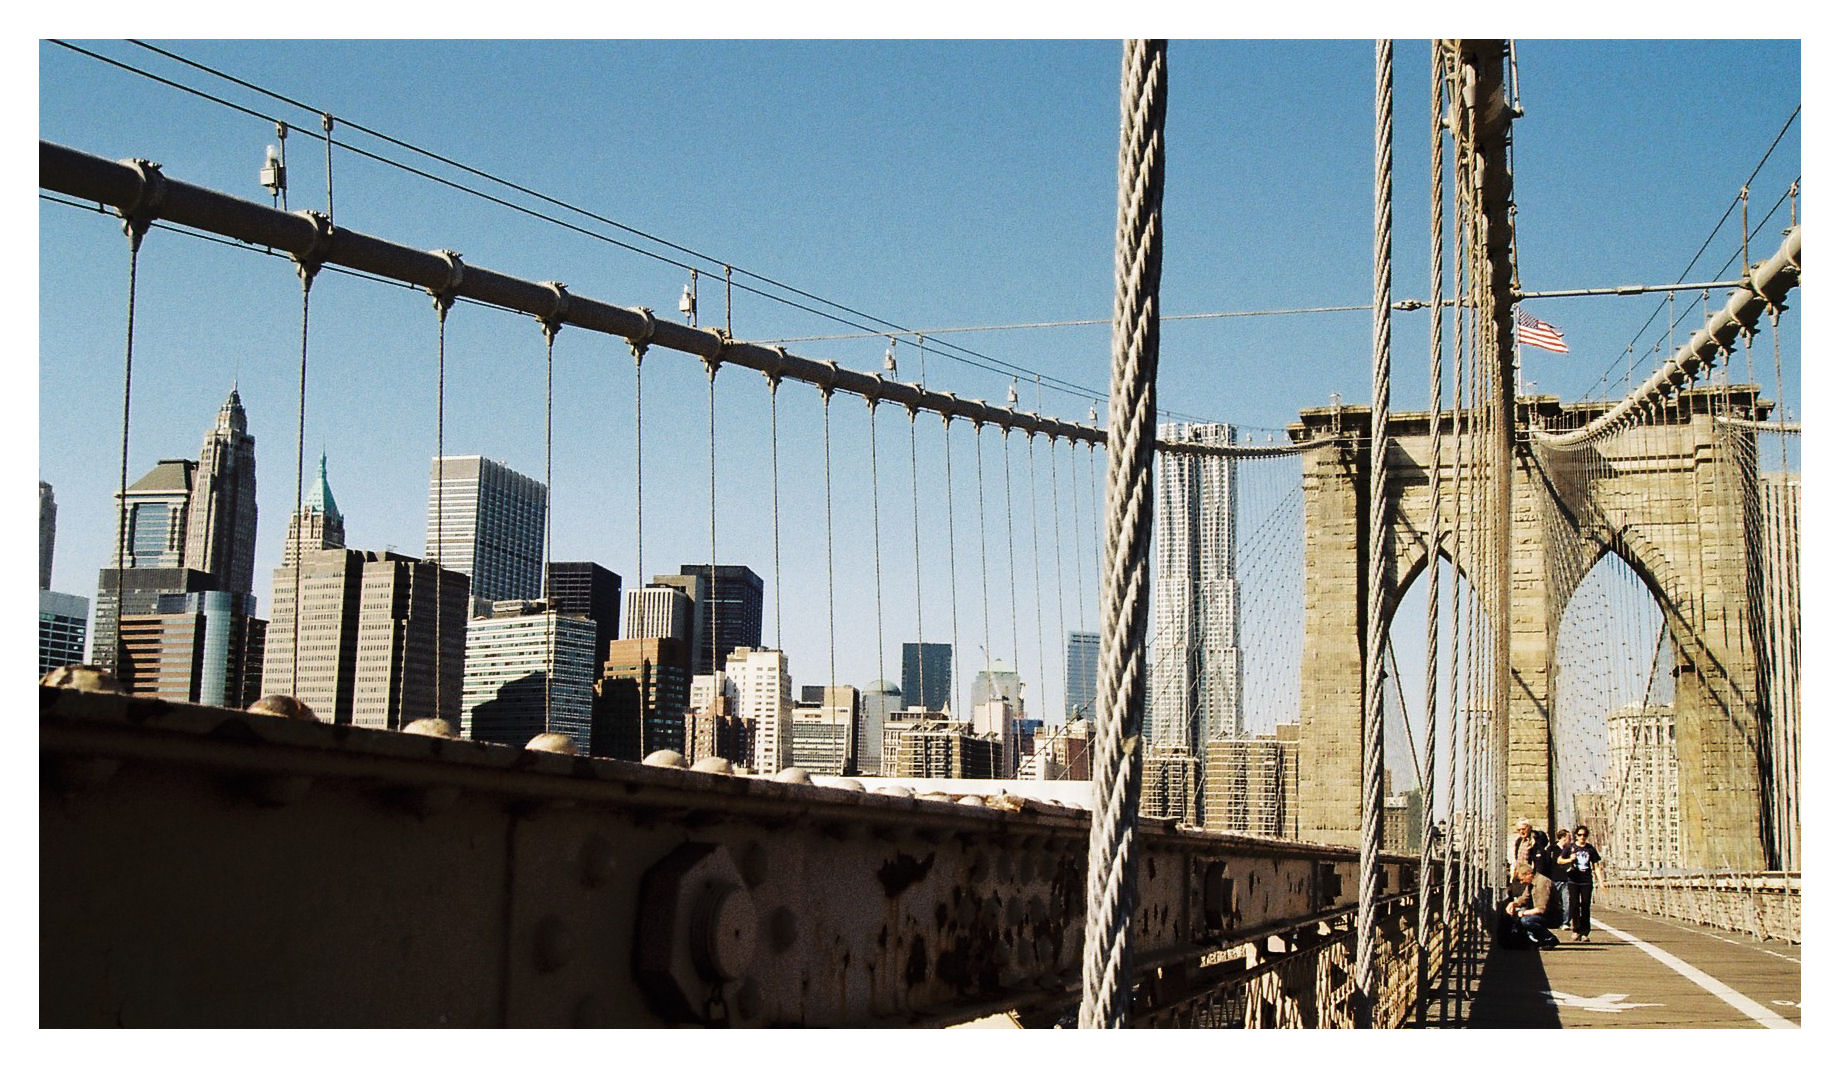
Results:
x,y
644,340
552,323
308,263
138,216
456,273
713,362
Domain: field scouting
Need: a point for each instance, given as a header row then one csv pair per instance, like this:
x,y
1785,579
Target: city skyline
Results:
x,y
1248,231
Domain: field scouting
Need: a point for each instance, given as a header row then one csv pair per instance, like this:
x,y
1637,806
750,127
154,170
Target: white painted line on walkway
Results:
x,y
1728,941
1731,997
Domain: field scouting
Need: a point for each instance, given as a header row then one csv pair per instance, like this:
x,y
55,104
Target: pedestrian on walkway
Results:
x,y
1561,874
1580,870
1529,847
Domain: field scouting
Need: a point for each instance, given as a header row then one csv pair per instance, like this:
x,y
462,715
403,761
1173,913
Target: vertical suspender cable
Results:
x,y
830,556
442,302
1060,598
1435,537
983,548
779,634
1009,532
957,670
1111,860
1378,551
710,594
306,268
550,618
135,227
1041,654
913,469
875,518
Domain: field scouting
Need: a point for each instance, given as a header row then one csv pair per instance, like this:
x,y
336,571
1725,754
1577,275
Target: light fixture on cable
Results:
x,y
273,175
686,304
1012,393
888,364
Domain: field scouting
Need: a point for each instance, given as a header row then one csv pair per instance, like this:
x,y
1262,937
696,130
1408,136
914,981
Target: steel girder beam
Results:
x,y
207,867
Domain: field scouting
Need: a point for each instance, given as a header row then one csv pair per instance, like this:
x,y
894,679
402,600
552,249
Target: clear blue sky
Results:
x,y
932,184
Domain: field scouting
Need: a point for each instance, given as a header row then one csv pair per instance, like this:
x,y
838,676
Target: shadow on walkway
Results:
x,y
1506,988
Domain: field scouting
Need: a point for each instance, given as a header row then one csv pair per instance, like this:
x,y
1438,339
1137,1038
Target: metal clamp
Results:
x,y
456,273
644,340
552,323
148,199
307,264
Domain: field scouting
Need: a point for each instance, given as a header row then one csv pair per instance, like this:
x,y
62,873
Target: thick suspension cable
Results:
x,y
1373,753
1111,863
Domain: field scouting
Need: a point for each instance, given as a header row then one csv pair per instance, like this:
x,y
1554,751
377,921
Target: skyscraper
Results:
x,y
1082,673
184,527
149,554
63,618
529,669
368,627
998,681
317,524
63,622
486,521
1195,670
926,674
151,518
763,697
660,610
201,648
644,693
220,529
731,619
1642,785
583,588
879,703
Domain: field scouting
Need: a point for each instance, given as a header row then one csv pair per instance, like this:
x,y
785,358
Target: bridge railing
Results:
x,y
201,866
1763,904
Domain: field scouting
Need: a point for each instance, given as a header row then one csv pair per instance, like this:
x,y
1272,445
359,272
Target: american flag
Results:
x,y
1536,334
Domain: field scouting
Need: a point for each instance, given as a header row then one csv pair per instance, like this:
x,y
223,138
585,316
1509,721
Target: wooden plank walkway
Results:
x,y
1637,971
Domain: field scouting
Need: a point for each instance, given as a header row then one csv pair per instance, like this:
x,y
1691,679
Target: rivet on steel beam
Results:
x,y
551,945
552,742
724,928
665,758
87,678
284,705
714,766
852,785
433,727
793,774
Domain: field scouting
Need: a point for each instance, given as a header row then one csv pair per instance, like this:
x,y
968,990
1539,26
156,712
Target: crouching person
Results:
x,y
1533,909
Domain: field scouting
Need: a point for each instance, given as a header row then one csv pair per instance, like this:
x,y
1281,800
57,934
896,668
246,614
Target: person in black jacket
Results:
x,y
1580,861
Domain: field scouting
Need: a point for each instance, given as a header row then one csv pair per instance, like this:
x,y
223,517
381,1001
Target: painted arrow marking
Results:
x,y
1600,1003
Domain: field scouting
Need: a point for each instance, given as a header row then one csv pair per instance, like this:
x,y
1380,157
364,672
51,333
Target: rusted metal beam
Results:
x,y
205,867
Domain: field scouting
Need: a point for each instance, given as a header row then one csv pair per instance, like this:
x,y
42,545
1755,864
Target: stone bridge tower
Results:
x,y
1670,497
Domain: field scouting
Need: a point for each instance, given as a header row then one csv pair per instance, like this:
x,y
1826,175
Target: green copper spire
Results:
x,y
320,496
